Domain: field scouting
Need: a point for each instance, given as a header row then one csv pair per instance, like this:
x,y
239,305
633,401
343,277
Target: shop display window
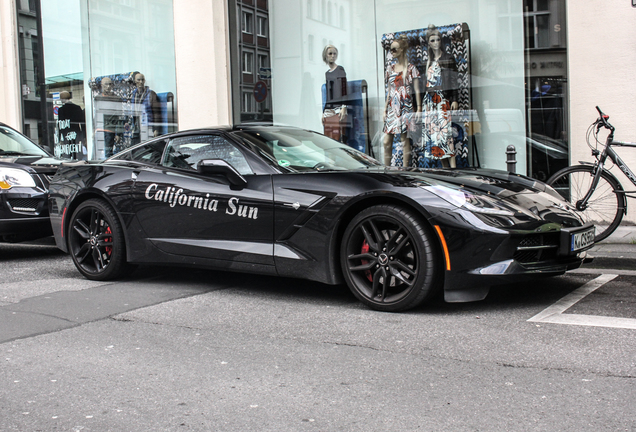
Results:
x,y
332,70
106,74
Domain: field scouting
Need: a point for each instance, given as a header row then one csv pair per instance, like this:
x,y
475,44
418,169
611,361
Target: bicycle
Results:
x,y
595,192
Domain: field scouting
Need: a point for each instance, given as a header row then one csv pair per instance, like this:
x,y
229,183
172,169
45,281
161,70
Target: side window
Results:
x,y
149,153
186,152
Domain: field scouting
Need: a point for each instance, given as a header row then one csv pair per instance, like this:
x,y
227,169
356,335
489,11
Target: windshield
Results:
x,y
14,144
302,150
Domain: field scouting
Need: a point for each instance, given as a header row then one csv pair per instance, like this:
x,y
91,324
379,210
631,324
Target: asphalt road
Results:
x,y
193,350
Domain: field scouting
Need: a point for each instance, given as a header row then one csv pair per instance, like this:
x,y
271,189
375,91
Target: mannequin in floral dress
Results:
x,y
400,116
440,98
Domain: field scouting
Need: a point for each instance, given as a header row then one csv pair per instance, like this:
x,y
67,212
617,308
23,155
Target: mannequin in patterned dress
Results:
x,y
440,98
401,111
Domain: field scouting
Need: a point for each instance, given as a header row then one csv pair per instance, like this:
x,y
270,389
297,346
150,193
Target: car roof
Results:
x,y
254,126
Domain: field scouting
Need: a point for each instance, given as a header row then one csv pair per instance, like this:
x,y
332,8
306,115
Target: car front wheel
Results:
x,y
96,241
388,258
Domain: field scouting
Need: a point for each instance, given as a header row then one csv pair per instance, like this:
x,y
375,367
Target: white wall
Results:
x,y
202,62
602,65
9,75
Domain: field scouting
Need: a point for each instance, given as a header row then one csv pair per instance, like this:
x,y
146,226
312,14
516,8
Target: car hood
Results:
x,y
531,199
495,182
40,164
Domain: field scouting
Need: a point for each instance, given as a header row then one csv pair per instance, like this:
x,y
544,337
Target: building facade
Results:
x,y
86,78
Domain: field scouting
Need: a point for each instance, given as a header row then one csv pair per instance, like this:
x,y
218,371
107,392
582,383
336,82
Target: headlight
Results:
x,y
13,177
461,198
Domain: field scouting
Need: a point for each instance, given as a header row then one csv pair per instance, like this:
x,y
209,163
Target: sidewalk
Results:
x,y
618,251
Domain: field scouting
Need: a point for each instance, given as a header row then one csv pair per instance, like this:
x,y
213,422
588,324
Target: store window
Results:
x,y
464,108
105,71
546,87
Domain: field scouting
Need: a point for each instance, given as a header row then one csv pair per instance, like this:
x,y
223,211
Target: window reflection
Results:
x,y
67,108
127,111
187,152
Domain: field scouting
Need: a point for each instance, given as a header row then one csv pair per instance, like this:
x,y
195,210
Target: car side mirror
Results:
x,y
219,166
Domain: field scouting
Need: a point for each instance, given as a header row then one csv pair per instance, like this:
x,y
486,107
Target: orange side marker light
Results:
x,y
443,240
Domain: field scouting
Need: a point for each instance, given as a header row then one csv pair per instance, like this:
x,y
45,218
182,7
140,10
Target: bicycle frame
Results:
x,y
599,167
619,162
605,207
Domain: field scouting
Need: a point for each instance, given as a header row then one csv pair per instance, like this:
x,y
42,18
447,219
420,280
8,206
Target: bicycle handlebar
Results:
x,y
603,120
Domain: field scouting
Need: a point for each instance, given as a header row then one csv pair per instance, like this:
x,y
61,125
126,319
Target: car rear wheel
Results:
x,y
96,241
388,258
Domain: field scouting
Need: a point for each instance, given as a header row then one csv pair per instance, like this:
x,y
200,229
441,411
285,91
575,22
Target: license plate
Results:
x,y
582,240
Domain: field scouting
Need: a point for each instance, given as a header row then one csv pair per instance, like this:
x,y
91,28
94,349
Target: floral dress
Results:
x,y
400,107
437,131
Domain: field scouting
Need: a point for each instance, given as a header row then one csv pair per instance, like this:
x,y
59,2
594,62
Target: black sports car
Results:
x,y
291,202
25,170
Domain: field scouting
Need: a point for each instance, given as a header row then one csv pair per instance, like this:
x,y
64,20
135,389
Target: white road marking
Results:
x,y
597,271
575,296
592,320
554,314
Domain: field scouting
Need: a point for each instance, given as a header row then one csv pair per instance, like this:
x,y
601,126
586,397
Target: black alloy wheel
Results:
x,y
388,258
96,241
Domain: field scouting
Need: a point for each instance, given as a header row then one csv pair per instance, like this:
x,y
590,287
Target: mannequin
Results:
x,y
439,99
334,115
399,117
109,105
146,108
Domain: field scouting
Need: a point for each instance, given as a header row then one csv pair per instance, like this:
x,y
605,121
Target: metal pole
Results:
x,y
510,158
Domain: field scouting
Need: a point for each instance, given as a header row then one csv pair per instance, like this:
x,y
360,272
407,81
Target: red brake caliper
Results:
x,y
365,249
108,249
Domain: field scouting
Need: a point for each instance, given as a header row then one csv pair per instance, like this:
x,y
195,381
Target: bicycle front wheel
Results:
x,y
606,205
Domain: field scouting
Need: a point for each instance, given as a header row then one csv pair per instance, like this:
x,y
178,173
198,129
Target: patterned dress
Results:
x,y
400,107
437,134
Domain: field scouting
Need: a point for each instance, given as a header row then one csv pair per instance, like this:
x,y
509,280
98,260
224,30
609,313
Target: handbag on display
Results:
x,y
333,126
